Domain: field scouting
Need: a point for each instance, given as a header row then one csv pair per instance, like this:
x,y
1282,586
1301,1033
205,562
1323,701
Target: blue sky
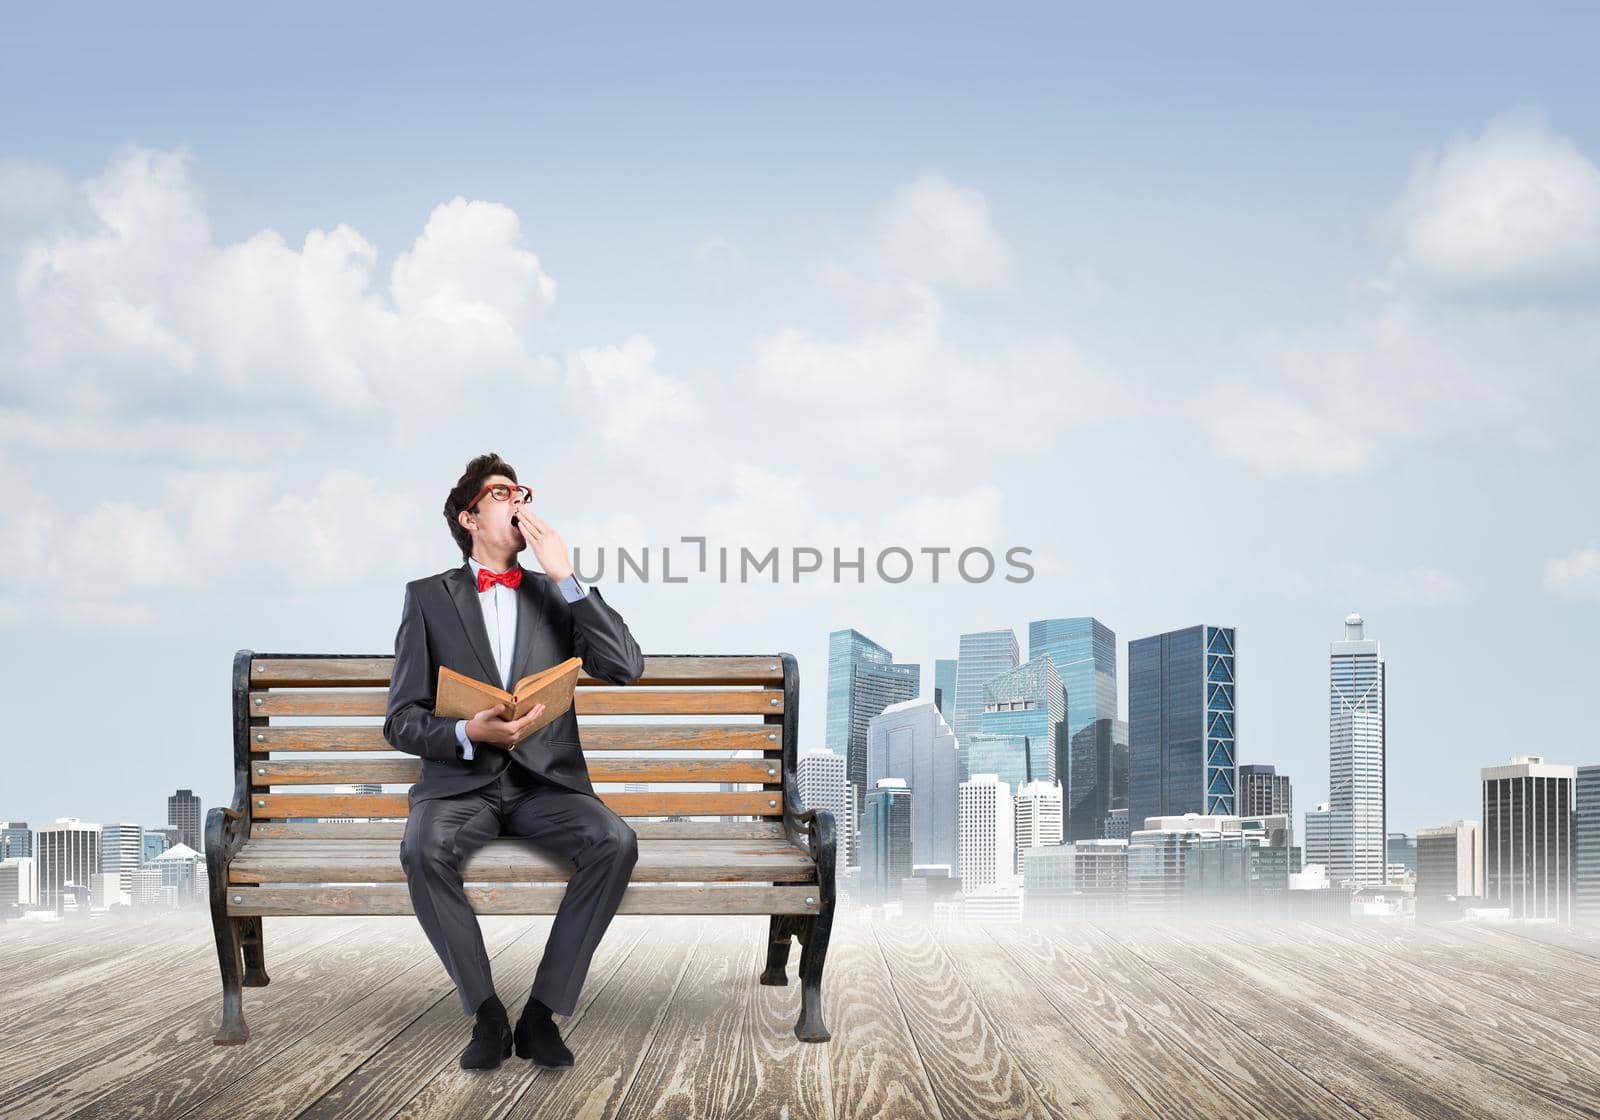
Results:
x,y
1250,317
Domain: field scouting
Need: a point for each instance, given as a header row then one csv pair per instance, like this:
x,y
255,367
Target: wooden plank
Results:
x,y
754,803
631,700
185,991
1186,1059
595,737
680,1076
768,1071
1554,1063
521,1088
872,1052
1230,960
645,830
1567,995
299,1073
510,860
540,898
172,1059
967,1064
399,1075
356,672
406,771
1069,1075
1381,1072
33,998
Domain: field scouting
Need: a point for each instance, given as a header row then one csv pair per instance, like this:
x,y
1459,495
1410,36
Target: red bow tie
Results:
x,y
487,579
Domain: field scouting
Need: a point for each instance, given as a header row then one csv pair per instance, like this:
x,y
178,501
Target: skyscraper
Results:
x,y
1096,782
982,656
1586,845
1028,703
911,741
863,680
1527,837
183,812
1357,758
1084,651
68,851
1262,790
886,839
987,834
122,853
1182,719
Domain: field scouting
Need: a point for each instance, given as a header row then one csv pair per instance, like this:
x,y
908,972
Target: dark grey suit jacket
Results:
x,y
442,624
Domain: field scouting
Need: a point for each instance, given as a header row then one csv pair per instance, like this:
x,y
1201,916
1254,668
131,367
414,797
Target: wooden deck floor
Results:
x,y
937,1020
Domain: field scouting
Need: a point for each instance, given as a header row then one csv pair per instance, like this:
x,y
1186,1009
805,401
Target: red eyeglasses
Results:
x,y
500,492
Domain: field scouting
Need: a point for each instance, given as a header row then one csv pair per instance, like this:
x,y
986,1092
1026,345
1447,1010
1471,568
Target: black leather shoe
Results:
x,y
538,1038
491,1038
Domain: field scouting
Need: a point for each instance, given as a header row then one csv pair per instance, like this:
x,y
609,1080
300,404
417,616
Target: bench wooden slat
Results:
x,y
628,701
537,898
595,736
359,672
393,830
674,803
511,860
393,771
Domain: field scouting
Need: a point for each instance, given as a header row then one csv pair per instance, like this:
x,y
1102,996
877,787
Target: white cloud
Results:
x,y
900,387
140,311
938,233
620,391
1575,575
207,530
1512,212
1335,402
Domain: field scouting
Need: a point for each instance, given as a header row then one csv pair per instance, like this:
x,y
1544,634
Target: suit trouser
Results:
x,y
442,832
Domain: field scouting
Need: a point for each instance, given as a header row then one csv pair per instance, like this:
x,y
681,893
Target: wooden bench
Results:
x,y
268,853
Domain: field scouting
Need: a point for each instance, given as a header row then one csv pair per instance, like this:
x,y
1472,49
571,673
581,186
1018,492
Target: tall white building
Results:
x,y
67,851
820,784
1357,761
1038,818
1527,837
911,741
122,853
987,834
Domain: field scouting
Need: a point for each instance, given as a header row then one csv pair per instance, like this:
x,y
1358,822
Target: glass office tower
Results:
x,y
1182,719
1084,651
981,658
863,680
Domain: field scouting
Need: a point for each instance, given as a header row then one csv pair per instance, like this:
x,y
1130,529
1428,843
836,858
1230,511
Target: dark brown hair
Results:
x,y
466,487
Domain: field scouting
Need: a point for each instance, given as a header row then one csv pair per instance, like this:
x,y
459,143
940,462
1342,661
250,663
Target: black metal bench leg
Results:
x,y
230,953
813,933
255,951
779,938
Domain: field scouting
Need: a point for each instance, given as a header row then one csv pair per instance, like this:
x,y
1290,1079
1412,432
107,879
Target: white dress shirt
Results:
x,y
499,605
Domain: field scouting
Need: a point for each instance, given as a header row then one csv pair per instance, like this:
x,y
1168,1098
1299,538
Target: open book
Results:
x,y
462,697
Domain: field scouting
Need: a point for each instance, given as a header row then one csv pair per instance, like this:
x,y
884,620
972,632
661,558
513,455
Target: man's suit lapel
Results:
x,y
464,593
530,617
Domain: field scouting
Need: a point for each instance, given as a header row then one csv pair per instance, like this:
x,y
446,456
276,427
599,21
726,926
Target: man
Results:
x,y
488,776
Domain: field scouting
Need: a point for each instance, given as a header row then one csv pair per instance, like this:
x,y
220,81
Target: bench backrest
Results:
x,y
716,720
